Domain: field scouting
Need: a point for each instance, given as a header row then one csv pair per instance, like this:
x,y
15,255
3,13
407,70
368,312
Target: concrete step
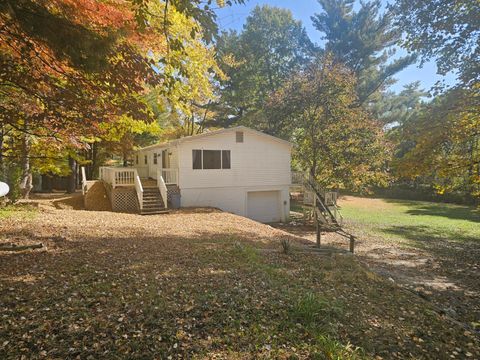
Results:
x,y
154,212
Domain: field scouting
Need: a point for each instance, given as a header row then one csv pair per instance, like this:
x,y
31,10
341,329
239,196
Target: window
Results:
x,y
212,159
155,158
166,159
146,159
197,159
239,136
225,159
136,159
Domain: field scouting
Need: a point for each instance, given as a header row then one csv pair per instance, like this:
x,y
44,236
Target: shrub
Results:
x,y
286,246
12,175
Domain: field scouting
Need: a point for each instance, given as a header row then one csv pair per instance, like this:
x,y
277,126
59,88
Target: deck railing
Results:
x,y
84,181
170,176
118,176
163,188
139,191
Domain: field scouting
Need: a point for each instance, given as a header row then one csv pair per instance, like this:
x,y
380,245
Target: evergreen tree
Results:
x,y
363,40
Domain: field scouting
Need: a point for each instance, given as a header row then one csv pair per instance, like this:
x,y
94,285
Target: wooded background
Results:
x,y
85,82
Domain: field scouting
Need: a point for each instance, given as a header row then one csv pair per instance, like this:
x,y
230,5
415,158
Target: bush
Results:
x,y
12,175
286,246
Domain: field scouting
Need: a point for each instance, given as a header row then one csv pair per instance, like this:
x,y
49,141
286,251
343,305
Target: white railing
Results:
x,y
163,188
139,190
170,176
331,198
142,171
84,181
118,176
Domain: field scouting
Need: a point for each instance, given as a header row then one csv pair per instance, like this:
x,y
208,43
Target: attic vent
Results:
x,y
239,136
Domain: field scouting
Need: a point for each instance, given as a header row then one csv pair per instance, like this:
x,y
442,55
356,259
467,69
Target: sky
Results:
x,y
233,17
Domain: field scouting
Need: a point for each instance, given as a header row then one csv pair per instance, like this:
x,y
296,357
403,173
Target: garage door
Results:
x,y
263,206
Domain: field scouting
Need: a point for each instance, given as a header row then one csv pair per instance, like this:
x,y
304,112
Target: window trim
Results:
x,y
202,159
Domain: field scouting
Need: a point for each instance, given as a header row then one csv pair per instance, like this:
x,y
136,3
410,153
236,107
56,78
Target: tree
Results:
x,y
336,141
69,67
398,112
364,41
258,60
445,145
445,31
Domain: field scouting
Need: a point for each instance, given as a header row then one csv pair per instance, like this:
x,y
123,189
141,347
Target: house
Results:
x,y
239,170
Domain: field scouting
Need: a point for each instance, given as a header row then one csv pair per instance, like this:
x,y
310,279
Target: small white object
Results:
x,y
4,189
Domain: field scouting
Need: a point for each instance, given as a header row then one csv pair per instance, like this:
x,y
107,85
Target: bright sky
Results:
x,y
234,17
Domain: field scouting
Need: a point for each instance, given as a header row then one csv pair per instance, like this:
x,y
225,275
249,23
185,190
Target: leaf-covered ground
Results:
x,y
431,248
200,284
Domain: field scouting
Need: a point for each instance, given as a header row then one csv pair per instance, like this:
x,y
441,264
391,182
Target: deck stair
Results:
x,y
152,201
326,211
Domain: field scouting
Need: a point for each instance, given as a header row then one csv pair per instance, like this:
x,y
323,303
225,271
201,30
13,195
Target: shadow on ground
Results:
x,y
450,211
130,286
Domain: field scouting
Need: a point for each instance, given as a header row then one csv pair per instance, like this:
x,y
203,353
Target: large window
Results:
x,y
211,159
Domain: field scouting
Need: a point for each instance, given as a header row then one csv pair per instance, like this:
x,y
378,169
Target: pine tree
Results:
x,y
364,41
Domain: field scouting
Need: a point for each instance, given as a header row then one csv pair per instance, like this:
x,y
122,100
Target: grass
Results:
x,y
17,211
412,222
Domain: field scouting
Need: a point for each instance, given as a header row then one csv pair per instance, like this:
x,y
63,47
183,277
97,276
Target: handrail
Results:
x,y
139,190
326,199
84,181
163,188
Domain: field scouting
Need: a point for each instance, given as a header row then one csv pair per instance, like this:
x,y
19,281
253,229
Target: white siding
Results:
x,y
233,199
258,161
152,168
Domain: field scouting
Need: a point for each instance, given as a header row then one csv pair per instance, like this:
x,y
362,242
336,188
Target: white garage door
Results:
x,y
263,206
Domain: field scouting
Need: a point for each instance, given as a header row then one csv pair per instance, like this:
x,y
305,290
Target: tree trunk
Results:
x,y
72,179
26,176
94,161
2,136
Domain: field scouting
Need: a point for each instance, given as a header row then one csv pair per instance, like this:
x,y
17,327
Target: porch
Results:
x,y
133,190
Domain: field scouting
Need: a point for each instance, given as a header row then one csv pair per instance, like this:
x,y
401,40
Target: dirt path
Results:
x,y
448,277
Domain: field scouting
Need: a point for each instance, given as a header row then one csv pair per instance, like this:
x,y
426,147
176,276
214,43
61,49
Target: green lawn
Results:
x,y
23,211
414,223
